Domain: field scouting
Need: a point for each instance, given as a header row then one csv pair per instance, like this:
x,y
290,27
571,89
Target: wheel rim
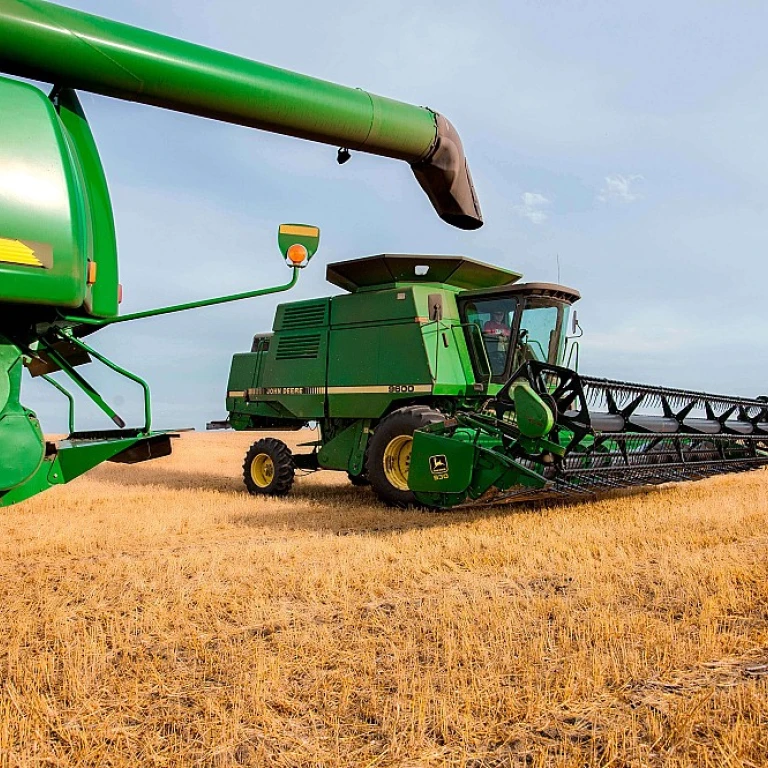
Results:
x,y
397,461
262,470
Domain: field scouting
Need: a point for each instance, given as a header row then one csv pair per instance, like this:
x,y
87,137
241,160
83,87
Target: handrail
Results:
x,y
64,391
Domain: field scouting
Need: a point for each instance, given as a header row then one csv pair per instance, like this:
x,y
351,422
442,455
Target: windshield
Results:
x,y
540,336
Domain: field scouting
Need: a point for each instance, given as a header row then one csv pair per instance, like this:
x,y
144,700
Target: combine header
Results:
x,y
58,254
442,381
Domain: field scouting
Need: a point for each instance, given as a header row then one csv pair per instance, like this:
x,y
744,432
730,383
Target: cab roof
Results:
x,y
388,269
550,290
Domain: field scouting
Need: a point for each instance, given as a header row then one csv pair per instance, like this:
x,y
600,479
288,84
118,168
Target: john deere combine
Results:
x,y
58,256
442,381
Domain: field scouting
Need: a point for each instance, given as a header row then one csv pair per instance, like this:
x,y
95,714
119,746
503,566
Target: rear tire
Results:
x,y
388,456
268,468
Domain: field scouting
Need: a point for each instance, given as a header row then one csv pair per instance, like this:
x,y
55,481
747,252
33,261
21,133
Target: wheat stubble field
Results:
x,y
157,615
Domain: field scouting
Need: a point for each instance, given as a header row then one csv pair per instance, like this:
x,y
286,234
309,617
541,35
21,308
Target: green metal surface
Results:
x,y
344,449
441,464
453,466
386,270
442,397
534,417
28,470
306,236
43,225
360,354
21,438
58,254
71,459
101,296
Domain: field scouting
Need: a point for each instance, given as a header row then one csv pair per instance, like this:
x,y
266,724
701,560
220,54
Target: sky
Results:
x,y
617,147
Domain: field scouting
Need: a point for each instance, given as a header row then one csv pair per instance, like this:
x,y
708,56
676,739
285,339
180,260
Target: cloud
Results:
x,y
533,207
618,187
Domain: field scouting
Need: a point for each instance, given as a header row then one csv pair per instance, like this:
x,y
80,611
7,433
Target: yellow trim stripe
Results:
x,y
386,389
15,252
396,389
297,229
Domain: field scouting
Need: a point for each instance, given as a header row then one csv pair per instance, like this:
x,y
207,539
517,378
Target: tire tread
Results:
x,y
402,421
281,457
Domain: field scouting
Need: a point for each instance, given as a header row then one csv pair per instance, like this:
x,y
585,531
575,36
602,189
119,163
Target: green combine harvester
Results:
x,y
58,255
442,381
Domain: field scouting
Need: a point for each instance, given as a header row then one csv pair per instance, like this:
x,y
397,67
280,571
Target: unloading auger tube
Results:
x,y
77,50
550,432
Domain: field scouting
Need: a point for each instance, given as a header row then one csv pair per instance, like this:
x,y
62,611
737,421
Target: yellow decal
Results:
x,y
16,252
438,466
297,229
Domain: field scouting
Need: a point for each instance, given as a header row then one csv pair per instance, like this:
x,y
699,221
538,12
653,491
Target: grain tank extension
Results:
x,y
442,381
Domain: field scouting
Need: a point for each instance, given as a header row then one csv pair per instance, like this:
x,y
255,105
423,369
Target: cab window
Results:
x,y
540,336
494,318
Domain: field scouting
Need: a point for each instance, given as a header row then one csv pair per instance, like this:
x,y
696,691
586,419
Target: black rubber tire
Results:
x,y
282,463
404,421
359,481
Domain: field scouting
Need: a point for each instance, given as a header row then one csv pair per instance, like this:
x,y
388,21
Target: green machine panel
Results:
x,y
101,297
368,369
43,227
292,372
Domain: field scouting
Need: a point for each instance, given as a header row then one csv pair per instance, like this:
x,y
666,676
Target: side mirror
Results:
x,y
574,322
298,243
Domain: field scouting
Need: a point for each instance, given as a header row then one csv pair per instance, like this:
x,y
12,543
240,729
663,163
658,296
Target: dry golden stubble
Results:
x,y
157,614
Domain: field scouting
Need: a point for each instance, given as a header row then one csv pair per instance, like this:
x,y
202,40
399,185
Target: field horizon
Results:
x,y
159,615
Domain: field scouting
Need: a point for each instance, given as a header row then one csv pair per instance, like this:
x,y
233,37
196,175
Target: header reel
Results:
x,y
538,438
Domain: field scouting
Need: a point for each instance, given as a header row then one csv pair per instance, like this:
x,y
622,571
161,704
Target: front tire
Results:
x,y
268,468
389,453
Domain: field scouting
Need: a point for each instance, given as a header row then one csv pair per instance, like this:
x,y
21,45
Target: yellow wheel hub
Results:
x,y
397,461
262,470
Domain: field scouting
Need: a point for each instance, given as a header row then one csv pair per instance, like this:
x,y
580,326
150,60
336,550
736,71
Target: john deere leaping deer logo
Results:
x,y
438,466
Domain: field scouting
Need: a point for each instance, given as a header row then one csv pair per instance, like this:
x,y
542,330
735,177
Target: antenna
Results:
x,y
557,256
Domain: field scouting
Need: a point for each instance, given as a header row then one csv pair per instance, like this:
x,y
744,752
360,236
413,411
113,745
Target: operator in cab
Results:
x,y
497,325
496,333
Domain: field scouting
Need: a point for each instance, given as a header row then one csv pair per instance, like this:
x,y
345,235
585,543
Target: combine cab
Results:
x,y
442,381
